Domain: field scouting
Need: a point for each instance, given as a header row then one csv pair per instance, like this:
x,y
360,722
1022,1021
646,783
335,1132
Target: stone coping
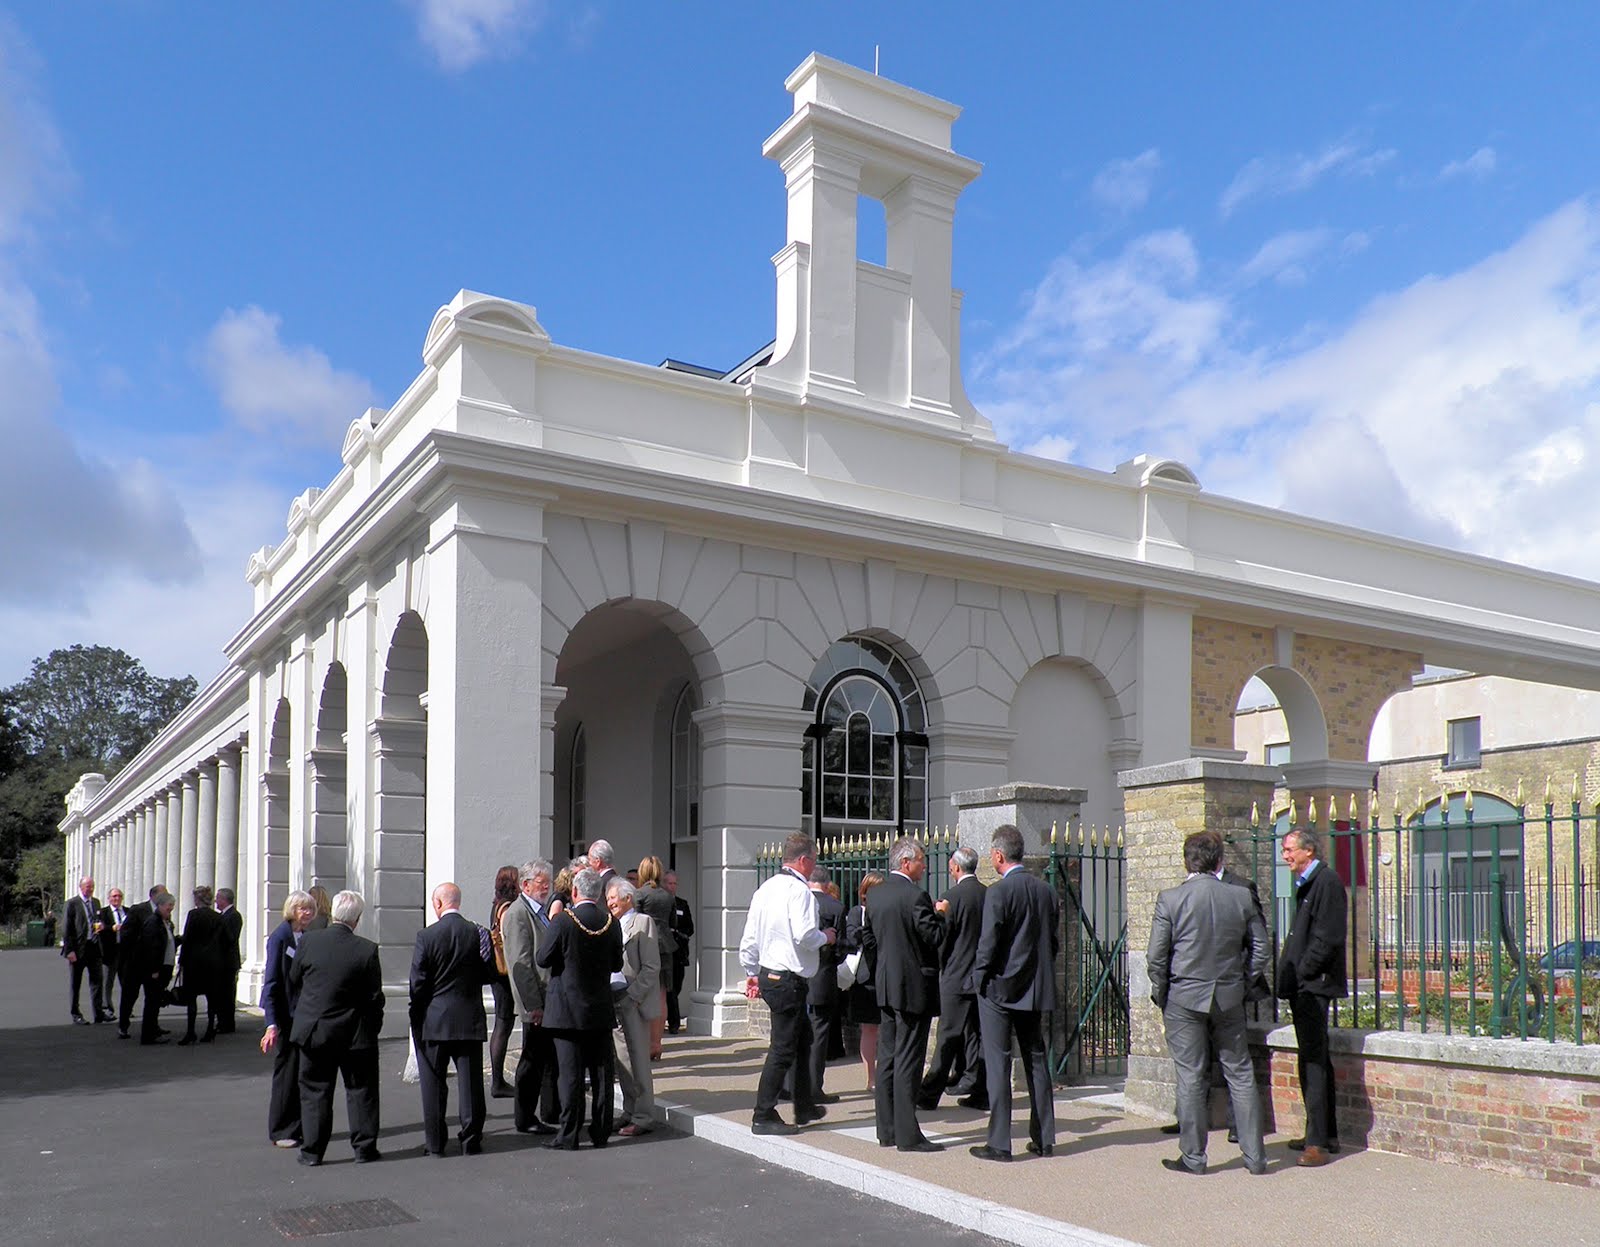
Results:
x,y
1006,793
1189,770
1522,1056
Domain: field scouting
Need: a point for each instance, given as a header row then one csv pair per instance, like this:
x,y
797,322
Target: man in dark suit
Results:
x,y
448,973
1208,943
112,917
822,993
80,945
155,956
338,1012
682,933
905,930
232,929
582,950
957,1055
128,959
1014,976
1310,974
601,858
523,929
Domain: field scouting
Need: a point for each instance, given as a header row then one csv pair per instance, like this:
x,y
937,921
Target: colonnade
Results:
x,y
183,833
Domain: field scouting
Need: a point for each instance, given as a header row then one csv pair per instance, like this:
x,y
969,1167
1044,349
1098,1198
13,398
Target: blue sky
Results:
x,y
1346,262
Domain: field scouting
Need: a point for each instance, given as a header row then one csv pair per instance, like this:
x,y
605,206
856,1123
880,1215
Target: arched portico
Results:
x,y
275,818
399,809
329,864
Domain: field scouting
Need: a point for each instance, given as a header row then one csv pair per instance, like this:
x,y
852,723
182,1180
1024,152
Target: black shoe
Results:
x,y
538,1127
471,1147
186,1040
1170,1128
502,1092
828,1097
1233,1135
1049,1149
1177,1166
928,1104
162,1030
108,1016
923,1145
310,1161
985,1152
805,1116
785,1096
209,1037
367,1156
974,1101
79,1020
1299,1145
156,1040
775,1125
122,1034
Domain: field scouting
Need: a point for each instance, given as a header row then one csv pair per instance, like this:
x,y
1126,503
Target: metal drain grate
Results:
x,y
319,1219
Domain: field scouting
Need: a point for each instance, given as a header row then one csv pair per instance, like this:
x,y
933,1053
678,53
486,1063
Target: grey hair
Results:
x,y
621,887
348,908
1307,839
966,859
601,853
587,885
163,898
297,900
903,851
532,870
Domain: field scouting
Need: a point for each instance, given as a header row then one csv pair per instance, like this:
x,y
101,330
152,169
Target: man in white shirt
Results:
x,y
778,953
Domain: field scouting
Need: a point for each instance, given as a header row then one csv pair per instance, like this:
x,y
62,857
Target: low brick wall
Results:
x,y
1527,1108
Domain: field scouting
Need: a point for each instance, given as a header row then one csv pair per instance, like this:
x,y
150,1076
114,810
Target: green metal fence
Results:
x,y
1089,1030
1456,925
849,859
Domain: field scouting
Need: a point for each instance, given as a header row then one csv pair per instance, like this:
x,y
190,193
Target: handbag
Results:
x,y
497,942
847,970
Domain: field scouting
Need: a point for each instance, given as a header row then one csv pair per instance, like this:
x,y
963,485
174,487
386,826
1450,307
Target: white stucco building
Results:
x,y
553,596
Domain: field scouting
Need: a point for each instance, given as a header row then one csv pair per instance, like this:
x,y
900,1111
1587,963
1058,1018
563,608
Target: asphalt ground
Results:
x,y
104,1140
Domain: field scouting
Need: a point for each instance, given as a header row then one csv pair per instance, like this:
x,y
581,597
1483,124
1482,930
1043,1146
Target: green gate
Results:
x,y
1089,1031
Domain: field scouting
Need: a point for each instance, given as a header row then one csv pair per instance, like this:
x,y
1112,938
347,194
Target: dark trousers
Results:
x,y
999,1025
505,1014
227,1003
87,963
790,1049
902,1049
155,991
537,1060
108,978
957,1058
319,1067
433,1059
680,965
283,1105
209,992
131,986
821,1018
580,1055
1310,1016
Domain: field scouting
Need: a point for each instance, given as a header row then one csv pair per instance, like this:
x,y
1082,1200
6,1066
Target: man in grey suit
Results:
x,y
1207,944
1014,976
522,930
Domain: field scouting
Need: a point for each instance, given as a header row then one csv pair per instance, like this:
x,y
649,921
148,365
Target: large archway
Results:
x,y
275,819
1061,717
399,811
329,847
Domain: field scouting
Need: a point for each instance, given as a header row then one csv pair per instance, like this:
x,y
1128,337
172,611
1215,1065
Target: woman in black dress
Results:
x,y
505,1008
200,957
861,1002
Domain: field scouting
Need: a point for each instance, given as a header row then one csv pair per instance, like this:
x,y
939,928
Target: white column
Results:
x,y
361,646
550,700
147,849
172,868
205,852
749,796
189,839
159,858
227,800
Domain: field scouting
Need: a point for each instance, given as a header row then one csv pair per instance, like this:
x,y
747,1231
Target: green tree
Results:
x,y
39,883
93,704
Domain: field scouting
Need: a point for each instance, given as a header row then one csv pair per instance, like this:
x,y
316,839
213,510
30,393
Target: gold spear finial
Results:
x,y
1052,835
1294,816
1575,792
1469,801
1547,789
1255,814
1311,812
1519,790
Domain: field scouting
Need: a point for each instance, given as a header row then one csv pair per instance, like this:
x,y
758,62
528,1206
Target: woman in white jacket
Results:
x,y
637,989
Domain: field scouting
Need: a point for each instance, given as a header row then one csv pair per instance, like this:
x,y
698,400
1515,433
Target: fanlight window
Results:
x,y
685,769
866,751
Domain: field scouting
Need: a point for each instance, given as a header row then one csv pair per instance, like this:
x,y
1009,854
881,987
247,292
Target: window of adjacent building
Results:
x,y
1278,755
1465,738
685,769
578,774
865,767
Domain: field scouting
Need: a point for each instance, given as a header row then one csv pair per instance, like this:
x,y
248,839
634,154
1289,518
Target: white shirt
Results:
x,y
781,931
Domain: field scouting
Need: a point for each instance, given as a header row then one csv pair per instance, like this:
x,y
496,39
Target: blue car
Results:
x,y
1565,956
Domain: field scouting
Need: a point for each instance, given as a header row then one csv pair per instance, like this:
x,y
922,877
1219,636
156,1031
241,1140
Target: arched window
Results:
x,y
578,773
685,769
866,750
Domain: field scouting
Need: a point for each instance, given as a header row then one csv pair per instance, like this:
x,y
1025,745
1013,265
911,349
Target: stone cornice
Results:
x,y
1196,770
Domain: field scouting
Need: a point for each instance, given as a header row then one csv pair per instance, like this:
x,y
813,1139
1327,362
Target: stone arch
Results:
x,y
329,863
399,813
275,816
1063,719
1302,711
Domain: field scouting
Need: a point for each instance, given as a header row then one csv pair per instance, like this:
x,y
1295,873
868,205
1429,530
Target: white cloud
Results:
x,y
1463,409
1478,166
460,33
1124,185
1273,176
1287,258
74,516
269,387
